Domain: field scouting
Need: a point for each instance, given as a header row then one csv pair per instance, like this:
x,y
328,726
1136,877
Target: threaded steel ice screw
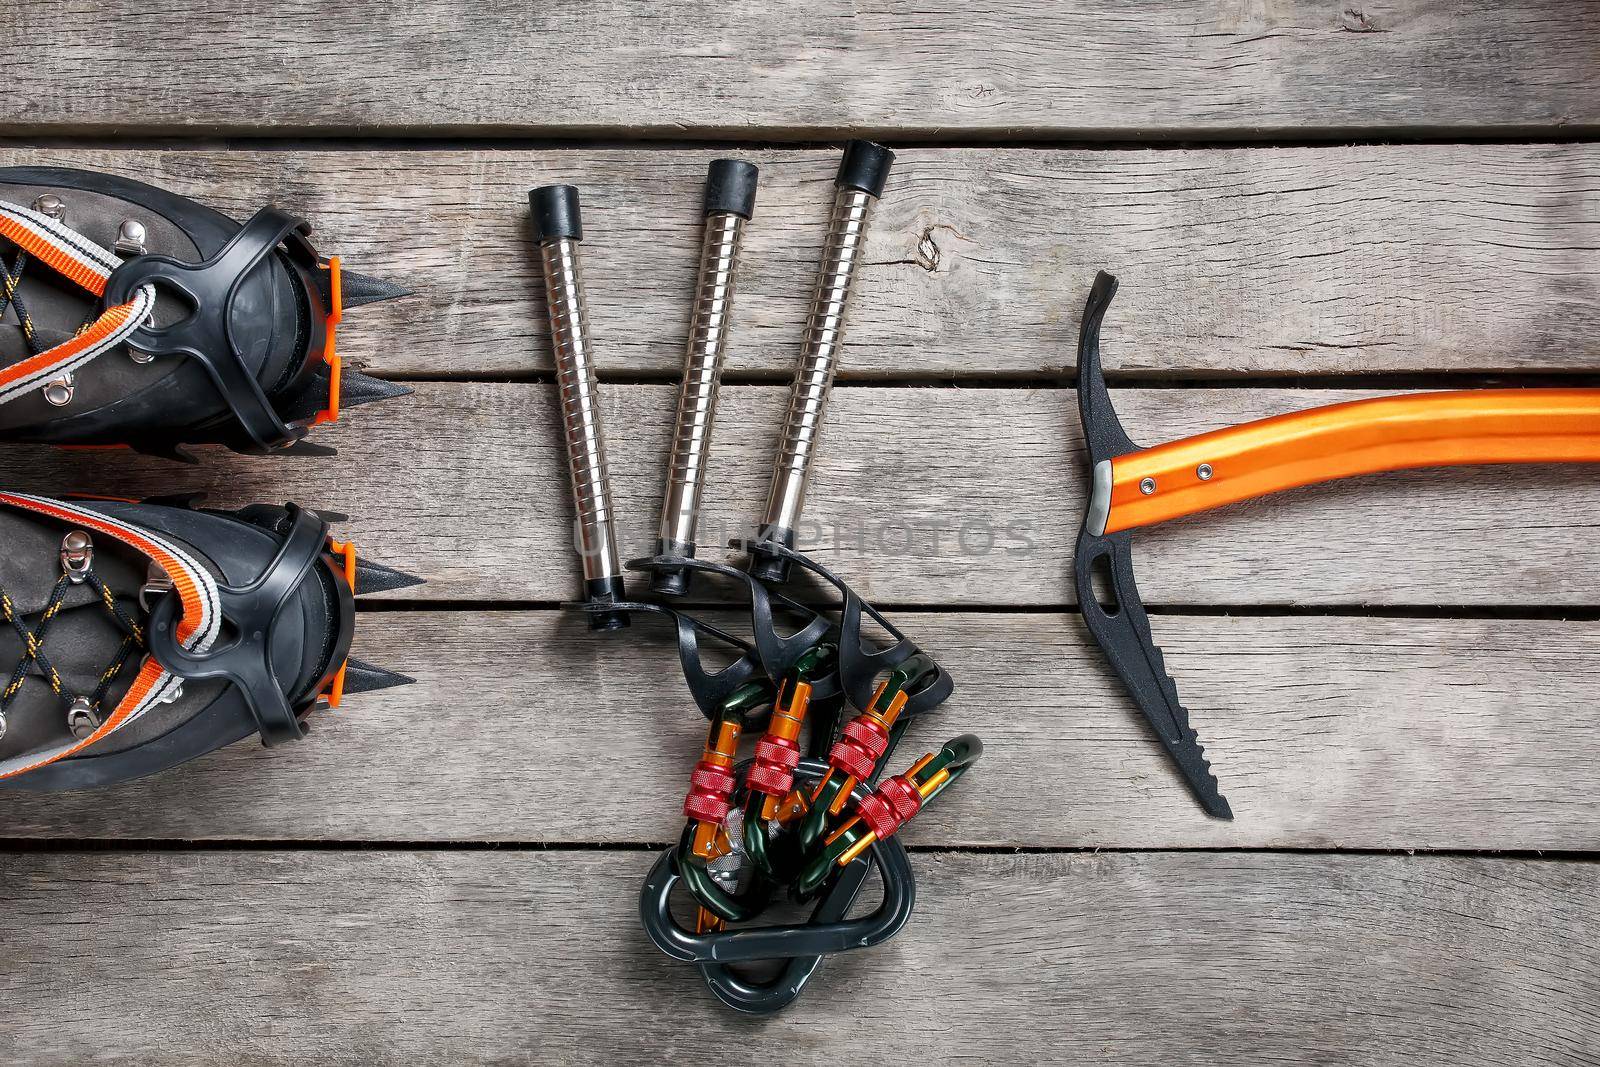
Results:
x,y
730,199
558,229
859,184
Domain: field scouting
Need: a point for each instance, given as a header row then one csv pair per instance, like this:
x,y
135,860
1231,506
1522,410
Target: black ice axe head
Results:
x,y
1115,615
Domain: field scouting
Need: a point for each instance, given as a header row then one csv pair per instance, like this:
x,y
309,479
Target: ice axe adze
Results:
x,y
1132,487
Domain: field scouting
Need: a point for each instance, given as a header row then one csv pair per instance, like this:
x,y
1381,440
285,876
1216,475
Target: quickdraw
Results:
x,y
802,817
1133,487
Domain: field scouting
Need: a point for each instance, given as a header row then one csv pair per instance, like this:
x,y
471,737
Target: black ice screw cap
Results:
x,y
731,188
865,166
555,213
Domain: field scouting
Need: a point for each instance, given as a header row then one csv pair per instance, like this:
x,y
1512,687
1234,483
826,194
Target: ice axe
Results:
x,y
1133,487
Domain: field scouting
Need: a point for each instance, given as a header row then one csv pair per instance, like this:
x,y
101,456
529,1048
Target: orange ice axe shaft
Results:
x,y
1476,426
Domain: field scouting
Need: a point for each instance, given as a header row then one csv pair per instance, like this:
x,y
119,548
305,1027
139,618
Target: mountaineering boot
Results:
x,y
137,636
133,316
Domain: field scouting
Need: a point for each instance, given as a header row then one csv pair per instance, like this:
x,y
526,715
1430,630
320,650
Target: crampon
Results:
x,y
138,636
130,316
803,820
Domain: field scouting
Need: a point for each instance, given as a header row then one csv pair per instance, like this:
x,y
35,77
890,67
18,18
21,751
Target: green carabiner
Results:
x,y
771,775
888,808
850,758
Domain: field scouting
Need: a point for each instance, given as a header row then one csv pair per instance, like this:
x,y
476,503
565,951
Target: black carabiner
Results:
x,y
803,944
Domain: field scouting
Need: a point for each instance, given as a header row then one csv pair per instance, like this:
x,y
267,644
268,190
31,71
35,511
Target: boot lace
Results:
x,y
83,711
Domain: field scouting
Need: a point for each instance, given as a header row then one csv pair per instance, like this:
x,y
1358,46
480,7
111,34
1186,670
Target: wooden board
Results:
x,y
1363,260
484,957
1326,733
1221,68
922,496
1393,675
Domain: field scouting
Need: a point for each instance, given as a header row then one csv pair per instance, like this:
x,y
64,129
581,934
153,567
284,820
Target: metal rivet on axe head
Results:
x,y
1203,472
1147,486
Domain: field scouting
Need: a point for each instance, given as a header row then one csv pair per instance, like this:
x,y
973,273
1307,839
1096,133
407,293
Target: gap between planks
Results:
x,y
253,140
22,846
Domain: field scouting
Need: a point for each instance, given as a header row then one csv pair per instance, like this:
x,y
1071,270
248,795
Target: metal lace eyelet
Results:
x,y
58,392
156,585
130,238
77,556
51,206
82,718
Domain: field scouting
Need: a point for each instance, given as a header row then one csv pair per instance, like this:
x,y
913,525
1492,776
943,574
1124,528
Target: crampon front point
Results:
x,y
138,636
132,316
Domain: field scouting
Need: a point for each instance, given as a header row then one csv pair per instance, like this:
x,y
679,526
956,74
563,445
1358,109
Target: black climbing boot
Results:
x,y
132,316
137,636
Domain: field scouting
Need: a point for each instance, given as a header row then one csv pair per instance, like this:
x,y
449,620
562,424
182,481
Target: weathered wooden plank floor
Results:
x,y
910,491
1124,958
1395,676
1326,730
1009,69
1418,258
